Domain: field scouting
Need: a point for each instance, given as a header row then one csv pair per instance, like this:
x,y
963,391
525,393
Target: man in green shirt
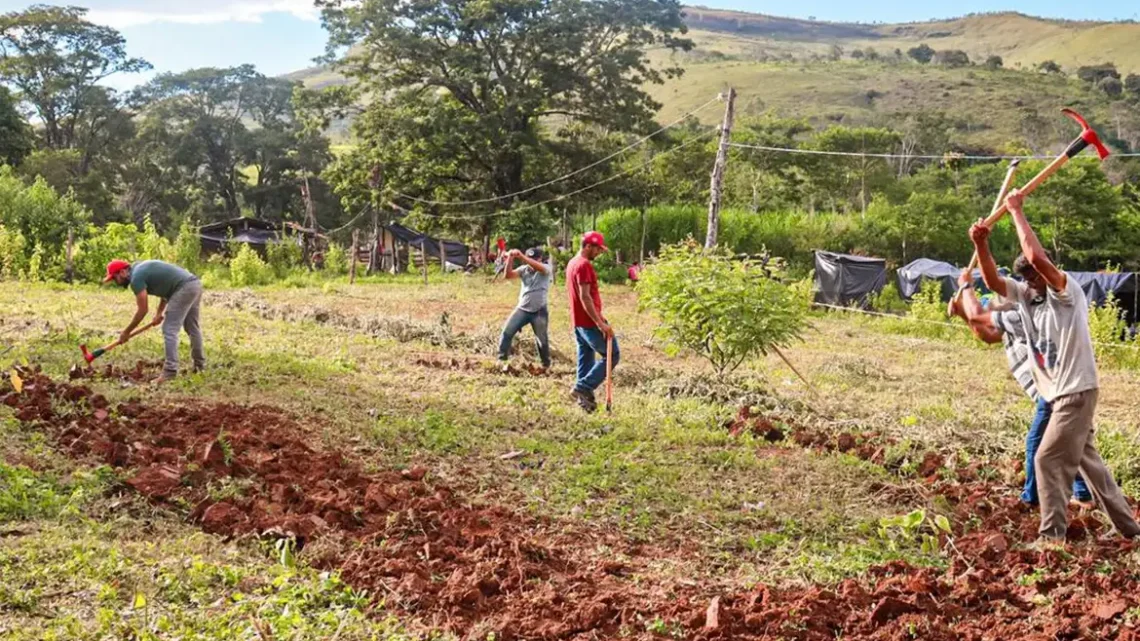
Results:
x,y
180,293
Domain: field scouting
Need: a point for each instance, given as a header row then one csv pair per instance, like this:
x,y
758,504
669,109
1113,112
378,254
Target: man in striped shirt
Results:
x,y
1001,322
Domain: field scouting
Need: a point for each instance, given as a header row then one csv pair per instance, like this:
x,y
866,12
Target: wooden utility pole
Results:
x,y
352,257
644,229
442,257
718,172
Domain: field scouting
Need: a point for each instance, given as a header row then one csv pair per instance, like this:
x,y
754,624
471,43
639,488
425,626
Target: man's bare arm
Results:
x,y
585,294
980,234
1030,245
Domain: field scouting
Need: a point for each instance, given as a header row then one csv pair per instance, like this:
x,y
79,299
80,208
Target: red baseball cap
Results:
x,y
594,238
114,267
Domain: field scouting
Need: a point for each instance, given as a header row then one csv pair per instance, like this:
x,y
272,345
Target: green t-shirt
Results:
x,y
158,278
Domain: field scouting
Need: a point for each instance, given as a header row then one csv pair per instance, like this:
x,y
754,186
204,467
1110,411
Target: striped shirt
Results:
x,y
1016,342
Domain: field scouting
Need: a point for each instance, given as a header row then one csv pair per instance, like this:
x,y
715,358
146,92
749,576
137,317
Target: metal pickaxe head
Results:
x,y
1087,135
87,355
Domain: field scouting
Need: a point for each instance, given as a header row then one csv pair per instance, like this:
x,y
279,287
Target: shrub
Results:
x,y
888,301
116,240
284,256
336,260
247,268
40,215
187,248
151,244
724,310
1109,332
13,260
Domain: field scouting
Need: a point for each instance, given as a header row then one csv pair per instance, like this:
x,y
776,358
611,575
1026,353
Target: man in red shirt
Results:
x,y
590,328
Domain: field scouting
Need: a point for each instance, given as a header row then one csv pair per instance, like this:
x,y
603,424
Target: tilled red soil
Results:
x,y
475,569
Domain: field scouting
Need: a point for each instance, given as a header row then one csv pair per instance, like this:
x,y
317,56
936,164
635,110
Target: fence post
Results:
x,y
352,257
423,257
69,271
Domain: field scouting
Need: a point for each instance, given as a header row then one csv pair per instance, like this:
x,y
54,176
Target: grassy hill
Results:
x,y
785,66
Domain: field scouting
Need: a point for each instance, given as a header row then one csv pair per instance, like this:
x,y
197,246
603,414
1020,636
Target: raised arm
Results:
x,y
1031,246
980,234
535,265
509,266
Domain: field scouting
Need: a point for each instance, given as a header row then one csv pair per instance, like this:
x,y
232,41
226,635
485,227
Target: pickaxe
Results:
x,y
998,204
1087,137
610,374
89,355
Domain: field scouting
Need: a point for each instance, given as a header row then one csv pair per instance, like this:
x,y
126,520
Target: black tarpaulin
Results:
x,y
456,251
251,231
911,276
841,279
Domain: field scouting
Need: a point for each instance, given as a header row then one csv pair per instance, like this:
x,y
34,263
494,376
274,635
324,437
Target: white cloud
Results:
x,y
132,13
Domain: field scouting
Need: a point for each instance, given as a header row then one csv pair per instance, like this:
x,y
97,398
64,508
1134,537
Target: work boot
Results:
x,y
585,400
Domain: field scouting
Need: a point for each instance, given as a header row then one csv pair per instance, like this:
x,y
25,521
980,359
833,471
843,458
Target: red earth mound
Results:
x,y
475,569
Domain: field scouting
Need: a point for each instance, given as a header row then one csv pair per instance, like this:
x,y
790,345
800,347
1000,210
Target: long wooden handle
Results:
x,y
1053,167
133,334
609,374
1006,185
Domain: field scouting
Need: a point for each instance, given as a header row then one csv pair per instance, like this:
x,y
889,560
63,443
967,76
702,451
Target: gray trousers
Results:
x,y
1069,446
182,312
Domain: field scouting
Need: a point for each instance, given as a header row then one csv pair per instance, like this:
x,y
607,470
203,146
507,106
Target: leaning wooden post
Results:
x,y
442,257
352,257
644,228
423,257
718,172
69,271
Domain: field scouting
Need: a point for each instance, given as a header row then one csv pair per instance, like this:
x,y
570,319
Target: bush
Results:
x,y
13,259
888,301
284,256
41,216
336,260
187,248
247,268
724,310
1109,332
116,240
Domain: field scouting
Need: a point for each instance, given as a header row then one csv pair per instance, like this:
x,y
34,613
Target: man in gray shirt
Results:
x,y
1054,314
536,274
180,293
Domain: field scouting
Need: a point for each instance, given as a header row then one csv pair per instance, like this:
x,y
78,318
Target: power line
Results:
x,y
925,321
504,212
856,154
636,143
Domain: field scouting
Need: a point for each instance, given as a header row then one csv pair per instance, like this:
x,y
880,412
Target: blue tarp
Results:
x,y
1097,285
911,276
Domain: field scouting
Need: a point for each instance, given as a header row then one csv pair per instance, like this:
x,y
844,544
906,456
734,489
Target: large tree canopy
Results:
x,y
464,92
54,59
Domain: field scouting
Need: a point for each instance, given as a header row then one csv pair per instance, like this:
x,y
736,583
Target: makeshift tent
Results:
x,y
251,231
846,280
910,277
456,252
1098,285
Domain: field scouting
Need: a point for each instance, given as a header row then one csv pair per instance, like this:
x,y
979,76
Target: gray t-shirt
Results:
x,y
1059,341
158,278
535,287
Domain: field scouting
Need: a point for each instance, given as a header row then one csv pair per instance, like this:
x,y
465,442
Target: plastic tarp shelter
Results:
x,y
456,252
251,231
846,281
1123,287
911,276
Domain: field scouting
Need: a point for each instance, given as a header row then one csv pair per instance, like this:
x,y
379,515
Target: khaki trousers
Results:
x,y
1068,447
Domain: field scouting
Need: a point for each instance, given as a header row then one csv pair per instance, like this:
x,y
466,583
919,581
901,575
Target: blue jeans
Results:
x,y
1032,442
539,321
592,370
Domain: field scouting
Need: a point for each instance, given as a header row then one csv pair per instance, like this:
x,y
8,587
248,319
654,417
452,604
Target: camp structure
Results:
x,y
911,277
409,245
1122,285
848,281
254,232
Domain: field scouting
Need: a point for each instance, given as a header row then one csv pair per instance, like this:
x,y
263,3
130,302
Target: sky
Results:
x,y
280,36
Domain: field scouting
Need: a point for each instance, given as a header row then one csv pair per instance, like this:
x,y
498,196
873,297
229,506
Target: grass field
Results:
x,y
396,375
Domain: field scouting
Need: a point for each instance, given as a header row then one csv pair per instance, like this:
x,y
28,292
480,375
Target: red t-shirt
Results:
x,y
581,272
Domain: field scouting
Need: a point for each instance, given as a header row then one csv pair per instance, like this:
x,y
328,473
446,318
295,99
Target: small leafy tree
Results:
x,y
922,54
284,256
187,250
248,269
724,310
336,260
